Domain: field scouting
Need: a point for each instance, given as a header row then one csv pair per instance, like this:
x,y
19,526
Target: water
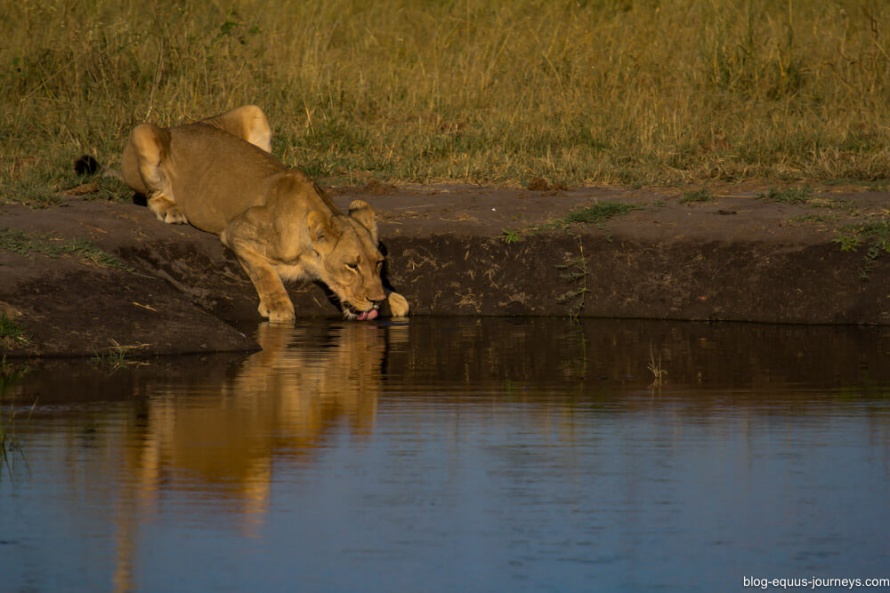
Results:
x,y
456,455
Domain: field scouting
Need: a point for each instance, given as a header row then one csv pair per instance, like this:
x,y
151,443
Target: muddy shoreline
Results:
x,y
452,250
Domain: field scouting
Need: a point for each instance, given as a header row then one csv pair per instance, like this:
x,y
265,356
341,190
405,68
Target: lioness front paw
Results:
x,y
398,305
280,314
281,317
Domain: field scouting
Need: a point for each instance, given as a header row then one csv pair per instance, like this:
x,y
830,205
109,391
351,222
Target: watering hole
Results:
x,y
455,455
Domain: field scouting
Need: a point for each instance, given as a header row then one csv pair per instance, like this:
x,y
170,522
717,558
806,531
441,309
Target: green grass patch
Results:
x,y
599,213
813,219
788,195
867,234
38,181
697,196
110,189
874,237
9,329
848,206
49,246
510,236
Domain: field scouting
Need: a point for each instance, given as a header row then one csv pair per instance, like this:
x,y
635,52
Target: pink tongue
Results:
x,y
368,315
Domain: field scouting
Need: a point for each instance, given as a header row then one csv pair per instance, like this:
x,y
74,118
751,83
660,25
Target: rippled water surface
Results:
x,y
452,455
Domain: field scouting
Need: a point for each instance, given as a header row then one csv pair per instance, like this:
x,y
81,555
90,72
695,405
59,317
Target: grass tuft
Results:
x,y
873,236
696,197
599,213
118,356
659,373
788,195
10,445
870,234
575,273
49,246
510,236
10,330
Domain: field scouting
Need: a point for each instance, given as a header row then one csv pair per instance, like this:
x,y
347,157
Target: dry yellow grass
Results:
x,y
578,92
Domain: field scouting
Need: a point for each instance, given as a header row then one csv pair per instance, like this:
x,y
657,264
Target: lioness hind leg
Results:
x,y
143,170
248,123
166,209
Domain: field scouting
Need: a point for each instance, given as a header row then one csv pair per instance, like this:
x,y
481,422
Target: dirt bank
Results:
x,y
452,250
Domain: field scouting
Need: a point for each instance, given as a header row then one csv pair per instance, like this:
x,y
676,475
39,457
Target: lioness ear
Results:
x,y
319,229
361,212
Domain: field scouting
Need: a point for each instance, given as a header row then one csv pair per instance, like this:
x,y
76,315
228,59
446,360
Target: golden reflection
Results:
x,y
283,401
280,405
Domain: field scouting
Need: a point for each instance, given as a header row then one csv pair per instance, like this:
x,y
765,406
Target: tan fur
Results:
x,y
279,224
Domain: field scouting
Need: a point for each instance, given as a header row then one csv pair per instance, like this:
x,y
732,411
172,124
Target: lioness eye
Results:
x,y
353,267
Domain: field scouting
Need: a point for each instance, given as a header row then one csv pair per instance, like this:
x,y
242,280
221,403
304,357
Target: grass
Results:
x,y
118,356
869,234
866,234
658,371
575,274
9,442
849,206
813,219
873,236
510,236
599,213
9,374
49,246
788,195
697,196
10,329
486,91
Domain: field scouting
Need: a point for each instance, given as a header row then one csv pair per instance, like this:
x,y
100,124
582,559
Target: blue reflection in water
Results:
x,y
456,456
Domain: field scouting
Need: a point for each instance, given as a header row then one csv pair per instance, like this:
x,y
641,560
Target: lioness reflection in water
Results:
x,y
281,404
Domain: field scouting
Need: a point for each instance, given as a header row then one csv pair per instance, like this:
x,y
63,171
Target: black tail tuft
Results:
x,y
87,165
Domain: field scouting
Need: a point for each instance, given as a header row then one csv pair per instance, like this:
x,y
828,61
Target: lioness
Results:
x,y
218,175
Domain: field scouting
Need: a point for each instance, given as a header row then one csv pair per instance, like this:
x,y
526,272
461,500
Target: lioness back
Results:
x,y
215,176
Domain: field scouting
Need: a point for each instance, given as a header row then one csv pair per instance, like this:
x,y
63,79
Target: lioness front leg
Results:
x,y
275,304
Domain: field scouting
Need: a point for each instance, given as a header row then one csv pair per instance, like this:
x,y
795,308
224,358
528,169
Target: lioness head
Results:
x,y
350,261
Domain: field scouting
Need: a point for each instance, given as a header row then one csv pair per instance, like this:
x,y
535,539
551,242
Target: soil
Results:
x,y
453,250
